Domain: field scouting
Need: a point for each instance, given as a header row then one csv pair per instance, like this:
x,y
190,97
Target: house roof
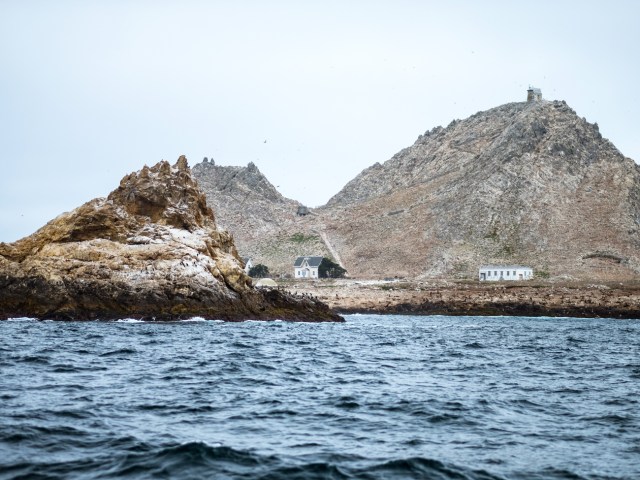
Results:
x,y
311,261
504,267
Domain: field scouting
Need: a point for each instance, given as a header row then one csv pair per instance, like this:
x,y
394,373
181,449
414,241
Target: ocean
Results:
x,y
378,397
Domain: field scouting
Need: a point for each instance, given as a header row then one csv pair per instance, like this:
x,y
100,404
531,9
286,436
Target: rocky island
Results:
x,y
527,183
150,250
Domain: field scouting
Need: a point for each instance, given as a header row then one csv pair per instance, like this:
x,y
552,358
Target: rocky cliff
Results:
x,y
150,250
265,225
523,183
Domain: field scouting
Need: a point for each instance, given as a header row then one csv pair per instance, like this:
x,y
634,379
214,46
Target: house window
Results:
x,y
514,273
507,273
489,273
495,273
501,273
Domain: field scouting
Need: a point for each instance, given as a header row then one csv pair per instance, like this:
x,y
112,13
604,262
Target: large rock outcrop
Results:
x,y
150,250
523,183
265,224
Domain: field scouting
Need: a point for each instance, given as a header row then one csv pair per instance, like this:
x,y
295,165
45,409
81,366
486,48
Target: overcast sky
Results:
x,y
312,92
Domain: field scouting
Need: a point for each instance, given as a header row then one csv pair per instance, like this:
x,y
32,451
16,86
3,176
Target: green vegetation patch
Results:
x,y
330,269
302,238
259,271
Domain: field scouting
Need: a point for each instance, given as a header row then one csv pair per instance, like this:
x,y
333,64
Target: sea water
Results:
x,y
378,397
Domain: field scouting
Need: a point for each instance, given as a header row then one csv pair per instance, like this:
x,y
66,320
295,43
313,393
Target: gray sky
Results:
x,y
93,90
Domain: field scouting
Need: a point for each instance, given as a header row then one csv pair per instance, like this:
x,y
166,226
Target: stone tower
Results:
x,y
534,94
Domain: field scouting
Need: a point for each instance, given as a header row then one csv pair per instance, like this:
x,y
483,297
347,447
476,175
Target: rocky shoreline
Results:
x,y
473,298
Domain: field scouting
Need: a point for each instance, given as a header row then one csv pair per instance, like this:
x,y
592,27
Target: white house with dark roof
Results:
x,y
501,273
306,267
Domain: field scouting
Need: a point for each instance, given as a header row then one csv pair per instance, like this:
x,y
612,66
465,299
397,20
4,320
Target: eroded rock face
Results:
x,y
265,225
150,250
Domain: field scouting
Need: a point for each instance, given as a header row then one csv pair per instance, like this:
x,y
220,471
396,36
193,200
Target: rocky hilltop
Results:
x,y
266,226
249,201
525,183
150,250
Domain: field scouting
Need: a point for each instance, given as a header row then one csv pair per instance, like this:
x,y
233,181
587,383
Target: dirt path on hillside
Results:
x,y
333,251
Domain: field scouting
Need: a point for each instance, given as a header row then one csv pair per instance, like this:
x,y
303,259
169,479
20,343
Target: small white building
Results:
x,y
501,273
248,264
306,267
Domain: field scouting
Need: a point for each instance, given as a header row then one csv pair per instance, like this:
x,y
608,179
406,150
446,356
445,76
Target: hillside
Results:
x,y
522,183
265,225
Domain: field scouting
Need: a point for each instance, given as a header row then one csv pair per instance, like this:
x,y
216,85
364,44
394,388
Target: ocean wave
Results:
x,y
120,351
202,460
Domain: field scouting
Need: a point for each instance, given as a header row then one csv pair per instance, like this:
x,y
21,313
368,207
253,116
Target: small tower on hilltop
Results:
x,y
534,94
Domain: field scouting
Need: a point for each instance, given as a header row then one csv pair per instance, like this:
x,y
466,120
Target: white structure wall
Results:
x,y
306,272
306,267
496,273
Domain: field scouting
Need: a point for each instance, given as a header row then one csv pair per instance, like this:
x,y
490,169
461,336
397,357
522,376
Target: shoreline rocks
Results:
x,y
451,298
150,250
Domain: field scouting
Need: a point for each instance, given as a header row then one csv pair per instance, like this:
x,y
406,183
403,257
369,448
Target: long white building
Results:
x,y
496,273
